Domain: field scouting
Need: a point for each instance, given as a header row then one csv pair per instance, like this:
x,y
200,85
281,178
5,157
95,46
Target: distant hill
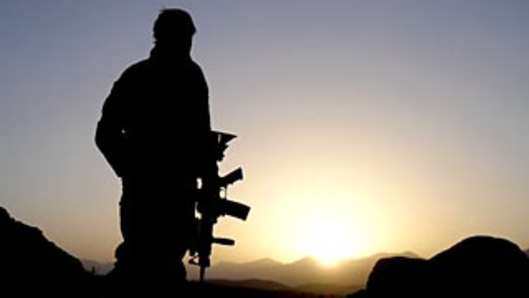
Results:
x,y
318,290
251,284
249,288
305,273
328,289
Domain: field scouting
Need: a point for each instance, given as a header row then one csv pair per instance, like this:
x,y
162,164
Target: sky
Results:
x,y
363,126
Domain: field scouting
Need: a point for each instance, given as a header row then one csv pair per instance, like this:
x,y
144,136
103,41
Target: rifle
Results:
x,y
212,203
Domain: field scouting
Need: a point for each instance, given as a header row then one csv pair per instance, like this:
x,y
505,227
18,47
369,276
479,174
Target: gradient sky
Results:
x,y
397,125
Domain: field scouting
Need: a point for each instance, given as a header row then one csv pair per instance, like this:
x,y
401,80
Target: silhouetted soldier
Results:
x,y
153,132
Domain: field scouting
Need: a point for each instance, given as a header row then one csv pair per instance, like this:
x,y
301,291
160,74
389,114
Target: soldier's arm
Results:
x,y
110,136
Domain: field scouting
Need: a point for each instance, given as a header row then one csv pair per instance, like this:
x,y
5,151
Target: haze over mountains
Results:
x,y
302,272
306,271
305,275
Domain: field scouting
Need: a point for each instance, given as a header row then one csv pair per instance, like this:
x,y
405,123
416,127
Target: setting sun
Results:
x,y
327,241
329,237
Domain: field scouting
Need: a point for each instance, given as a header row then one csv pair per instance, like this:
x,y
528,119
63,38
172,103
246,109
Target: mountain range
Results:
x,y
306,275
302,272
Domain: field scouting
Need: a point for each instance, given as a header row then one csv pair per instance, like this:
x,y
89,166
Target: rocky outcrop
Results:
x,y
477,266
32,266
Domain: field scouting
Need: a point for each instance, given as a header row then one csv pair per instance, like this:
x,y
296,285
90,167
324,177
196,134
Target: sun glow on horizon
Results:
x,y
320,213
330,239
327,243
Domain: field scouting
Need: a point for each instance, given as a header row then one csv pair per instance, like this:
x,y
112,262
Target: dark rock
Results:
x,y
32,265
483,265
407,276
477,266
